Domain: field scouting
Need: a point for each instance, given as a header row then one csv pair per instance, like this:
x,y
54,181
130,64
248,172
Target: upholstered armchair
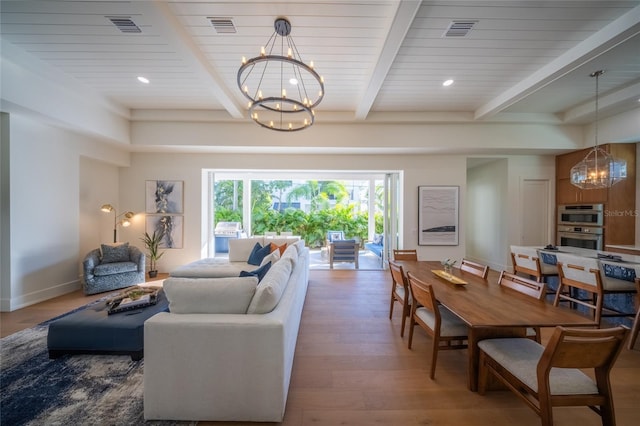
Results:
x,y
112,267
344,251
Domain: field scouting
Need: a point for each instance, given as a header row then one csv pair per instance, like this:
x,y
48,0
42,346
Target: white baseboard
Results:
x,y
22,301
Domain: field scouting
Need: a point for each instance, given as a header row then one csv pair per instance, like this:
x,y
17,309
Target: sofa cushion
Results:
x,y
259,273
258,253
113,254
270,289
272,257
241,248
104,269
209,295
211,267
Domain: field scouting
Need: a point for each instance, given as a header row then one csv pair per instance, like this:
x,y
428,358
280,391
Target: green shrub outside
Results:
x,y
312,227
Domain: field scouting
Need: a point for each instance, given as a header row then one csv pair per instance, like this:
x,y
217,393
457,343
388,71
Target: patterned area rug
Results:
x,y
70,390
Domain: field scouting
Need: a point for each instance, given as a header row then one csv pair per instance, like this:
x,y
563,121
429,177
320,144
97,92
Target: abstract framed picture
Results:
x,y
164,196
438,215
169,225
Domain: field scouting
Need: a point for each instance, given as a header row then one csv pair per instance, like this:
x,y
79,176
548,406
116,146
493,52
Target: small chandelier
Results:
x,y
598,169
282,90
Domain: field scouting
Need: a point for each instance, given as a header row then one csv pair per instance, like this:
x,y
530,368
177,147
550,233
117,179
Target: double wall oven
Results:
x,y
581,226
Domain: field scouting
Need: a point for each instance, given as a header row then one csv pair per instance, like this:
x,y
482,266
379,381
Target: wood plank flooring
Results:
x,y
352,368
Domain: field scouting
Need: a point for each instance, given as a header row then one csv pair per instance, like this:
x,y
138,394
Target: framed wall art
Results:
x,y
169,225
164,196
438,215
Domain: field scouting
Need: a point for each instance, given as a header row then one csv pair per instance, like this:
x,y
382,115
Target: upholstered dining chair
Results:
x,y
405,254
474,268
526,286
544,377
399,293
440,323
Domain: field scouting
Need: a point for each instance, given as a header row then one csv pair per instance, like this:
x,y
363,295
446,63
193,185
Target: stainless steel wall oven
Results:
x,y
581,215
580,236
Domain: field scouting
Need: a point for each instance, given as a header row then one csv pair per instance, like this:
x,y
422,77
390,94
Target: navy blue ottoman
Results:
x,y
94,331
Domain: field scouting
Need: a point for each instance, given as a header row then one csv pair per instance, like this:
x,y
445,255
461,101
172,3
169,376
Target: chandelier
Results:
x,y
598,169
282,90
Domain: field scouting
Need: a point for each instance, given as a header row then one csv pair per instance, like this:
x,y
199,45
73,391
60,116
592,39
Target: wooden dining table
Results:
x,y
489,309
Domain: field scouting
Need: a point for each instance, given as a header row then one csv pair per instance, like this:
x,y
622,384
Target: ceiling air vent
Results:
x,y
459,28
222,25
124,24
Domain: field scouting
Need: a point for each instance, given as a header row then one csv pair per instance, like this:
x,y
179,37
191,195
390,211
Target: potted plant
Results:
x,y
152,244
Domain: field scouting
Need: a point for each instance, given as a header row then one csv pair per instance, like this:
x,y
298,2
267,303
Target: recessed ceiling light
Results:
x,y
143,80
293,81
447,83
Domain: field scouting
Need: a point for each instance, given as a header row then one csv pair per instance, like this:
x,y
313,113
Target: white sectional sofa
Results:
x,y
239,251
225,351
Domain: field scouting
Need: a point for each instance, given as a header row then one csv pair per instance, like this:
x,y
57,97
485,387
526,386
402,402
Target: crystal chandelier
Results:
x,y
282,90
598,169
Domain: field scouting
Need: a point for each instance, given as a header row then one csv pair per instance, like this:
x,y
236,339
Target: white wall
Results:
x,y
44,210
99,184
487,215
418,170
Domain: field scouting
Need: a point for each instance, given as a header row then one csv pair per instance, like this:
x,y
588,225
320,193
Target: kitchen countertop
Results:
x,y
626,248
626,258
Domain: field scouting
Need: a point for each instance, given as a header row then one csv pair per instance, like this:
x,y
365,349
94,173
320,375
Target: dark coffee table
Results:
x,y
94,331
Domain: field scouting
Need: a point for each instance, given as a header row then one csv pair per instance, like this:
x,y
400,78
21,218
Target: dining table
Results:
x,y
489,309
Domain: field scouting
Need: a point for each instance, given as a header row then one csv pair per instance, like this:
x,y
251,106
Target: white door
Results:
x,y
535,213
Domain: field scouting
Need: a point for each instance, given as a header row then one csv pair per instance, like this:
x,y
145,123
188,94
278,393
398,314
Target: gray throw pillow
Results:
x,y
113,254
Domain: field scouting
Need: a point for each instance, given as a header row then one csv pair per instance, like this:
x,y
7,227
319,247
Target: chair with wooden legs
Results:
x,y
551,376
439,322
399,293
589,275
579,273
474,268
525,286
405,254
636,322
526,260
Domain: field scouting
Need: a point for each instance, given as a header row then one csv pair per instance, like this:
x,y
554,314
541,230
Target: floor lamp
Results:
x,y
107,208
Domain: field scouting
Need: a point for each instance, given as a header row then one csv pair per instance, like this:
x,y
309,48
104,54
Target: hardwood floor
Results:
x,y
352,368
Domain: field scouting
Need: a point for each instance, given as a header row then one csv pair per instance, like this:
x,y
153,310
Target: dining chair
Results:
x,y
399,293
526,286
405,254
636,322
474,268
526,260
440,323
544,377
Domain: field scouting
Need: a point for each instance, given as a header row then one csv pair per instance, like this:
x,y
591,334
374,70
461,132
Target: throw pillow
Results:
x,y
258,253
209,295
272,257
113,254
281,248
260,272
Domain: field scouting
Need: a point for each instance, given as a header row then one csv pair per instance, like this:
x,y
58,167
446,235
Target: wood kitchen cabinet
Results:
x,y
619,200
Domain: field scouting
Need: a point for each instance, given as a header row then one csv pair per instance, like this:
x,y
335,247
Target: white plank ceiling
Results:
x,y
381,59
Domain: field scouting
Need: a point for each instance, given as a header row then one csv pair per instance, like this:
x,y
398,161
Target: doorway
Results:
x,y
372,198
